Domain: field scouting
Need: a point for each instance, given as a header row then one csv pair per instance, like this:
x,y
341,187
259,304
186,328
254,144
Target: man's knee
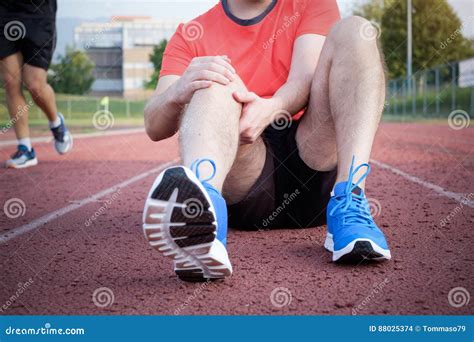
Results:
x,y
354,32
12,86
35,86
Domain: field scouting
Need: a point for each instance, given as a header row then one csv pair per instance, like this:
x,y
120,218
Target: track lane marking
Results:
x,y
436,188
15,232
79,136
11,234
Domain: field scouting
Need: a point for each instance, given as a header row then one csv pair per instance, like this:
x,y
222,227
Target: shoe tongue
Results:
x,y
23,148
340,189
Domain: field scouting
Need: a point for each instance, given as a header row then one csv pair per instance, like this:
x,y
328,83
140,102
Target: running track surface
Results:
x,y
59,265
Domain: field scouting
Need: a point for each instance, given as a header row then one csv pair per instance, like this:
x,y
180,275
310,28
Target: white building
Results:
x,y
121,52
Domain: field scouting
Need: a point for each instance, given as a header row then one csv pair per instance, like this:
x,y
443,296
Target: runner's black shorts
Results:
x,y
34,37
288,193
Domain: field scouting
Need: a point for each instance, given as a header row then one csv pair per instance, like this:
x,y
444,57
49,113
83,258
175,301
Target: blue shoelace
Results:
x,y
195,168
359,212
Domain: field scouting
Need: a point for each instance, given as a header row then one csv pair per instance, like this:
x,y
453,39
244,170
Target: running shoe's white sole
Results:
x,y
179,221
28,163
66,146
358,250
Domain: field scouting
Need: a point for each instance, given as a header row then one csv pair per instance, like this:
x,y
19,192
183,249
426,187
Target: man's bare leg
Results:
x,y
10,67
177,218
346,101
210,129
42,93
345,107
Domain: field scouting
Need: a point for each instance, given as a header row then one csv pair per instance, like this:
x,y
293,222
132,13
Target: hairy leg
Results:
x,y
210,129
10,68
42,93
346,101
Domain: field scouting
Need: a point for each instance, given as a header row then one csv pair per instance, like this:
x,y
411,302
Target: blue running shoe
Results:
x,y
185,218
22,158
352,234
62,137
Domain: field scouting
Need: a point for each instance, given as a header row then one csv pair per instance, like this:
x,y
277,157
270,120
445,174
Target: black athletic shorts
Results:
x,y
288,193
29,27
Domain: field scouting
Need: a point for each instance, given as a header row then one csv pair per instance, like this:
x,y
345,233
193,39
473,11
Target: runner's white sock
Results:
x,y
55,123
26,142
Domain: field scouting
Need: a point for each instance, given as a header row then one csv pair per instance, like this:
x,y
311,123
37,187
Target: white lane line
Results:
x,y
436,188
79,136
15,232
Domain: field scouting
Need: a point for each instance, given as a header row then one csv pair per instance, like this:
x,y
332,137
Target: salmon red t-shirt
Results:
x,y
260,48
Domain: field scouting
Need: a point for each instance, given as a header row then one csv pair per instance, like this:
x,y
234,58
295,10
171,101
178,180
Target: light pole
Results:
x,y
409,45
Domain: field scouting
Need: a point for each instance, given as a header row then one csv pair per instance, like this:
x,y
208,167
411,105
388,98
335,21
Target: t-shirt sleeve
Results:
x,y
178,54
317,17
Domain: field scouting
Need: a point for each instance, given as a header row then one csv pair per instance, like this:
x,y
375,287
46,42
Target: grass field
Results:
x,y
79,110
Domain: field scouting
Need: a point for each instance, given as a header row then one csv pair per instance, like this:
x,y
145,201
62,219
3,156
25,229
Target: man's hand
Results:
x,y
200,74
257,114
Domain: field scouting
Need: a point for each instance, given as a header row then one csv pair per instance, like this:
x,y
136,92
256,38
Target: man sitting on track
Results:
x,y
234,82
27,40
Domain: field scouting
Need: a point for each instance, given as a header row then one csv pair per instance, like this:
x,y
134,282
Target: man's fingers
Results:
x,y
244,96
206,75
222,60
220,69
196,85
225,63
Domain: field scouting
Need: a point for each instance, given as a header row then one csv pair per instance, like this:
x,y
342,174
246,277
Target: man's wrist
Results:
x,y
277,104
172,96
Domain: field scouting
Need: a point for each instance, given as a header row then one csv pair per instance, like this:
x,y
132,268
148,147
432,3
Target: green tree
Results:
x,y
437,36
156,57
73,73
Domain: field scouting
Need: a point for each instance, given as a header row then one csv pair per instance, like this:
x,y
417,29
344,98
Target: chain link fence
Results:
x,y
432,93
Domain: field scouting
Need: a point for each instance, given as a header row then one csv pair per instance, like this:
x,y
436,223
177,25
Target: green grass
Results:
x,y
79,110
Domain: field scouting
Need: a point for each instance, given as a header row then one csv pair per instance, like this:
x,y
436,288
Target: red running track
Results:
x,y
56,267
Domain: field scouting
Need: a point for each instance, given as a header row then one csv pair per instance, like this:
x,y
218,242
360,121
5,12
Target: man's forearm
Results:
x,y
162,114
293,95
